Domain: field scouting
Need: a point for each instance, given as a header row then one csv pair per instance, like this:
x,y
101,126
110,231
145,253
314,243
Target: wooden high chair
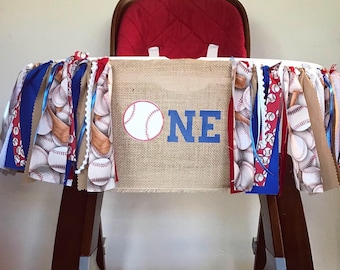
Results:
x,y
282,241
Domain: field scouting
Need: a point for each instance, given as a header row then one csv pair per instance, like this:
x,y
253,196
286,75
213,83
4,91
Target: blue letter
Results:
x,y
206,126
176,120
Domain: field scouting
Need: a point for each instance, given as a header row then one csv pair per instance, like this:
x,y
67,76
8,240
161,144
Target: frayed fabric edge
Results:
x,y
170,190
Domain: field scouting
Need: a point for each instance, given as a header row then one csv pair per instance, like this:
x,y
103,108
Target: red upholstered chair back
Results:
x,y
180,28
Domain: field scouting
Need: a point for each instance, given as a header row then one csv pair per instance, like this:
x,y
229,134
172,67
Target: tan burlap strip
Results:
x,y
254,84
174,85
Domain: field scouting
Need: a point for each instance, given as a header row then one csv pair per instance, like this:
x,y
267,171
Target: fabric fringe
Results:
x,y
170,190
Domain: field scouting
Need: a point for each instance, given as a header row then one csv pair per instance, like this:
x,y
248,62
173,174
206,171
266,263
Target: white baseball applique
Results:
x,y
143,120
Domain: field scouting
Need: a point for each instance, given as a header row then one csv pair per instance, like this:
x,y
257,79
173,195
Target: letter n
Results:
x,y
175,120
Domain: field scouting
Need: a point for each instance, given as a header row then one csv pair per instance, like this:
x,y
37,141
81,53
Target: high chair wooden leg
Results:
x,y
282,241
259,247
78,241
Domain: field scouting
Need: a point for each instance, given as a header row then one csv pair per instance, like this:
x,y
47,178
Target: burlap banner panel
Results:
x,y
188,89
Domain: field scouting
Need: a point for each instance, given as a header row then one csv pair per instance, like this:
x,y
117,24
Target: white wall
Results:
x,y
153,231
304,30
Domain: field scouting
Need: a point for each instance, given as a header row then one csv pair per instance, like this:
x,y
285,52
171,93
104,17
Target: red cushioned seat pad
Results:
x,y
181,28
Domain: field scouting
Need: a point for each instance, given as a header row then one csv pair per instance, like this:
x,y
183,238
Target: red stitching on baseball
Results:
x,y
46,139
57,166
310,171
101,165
309,163
240,101
133,112
59,152
147,123
101,179
244,67
300,124
39,174
295,110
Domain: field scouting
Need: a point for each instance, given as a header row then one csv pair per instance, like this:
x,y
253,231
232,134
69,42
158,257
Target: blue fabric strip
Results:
x,y
49,84
75,88
331,112
29,92
272,183
47,89
266,80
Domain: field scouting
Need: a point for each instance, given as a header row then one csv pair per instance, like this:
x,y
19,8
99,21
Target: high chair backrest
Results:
x,y
180,28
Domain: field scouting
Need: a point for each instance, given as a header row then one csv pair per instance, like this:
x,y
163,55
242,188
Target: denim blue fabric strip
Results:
x,y
29,92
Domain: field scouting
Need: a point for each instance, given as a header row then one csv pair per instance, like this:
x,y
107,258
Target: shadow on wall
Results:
x,y
179,231
29,214
143,231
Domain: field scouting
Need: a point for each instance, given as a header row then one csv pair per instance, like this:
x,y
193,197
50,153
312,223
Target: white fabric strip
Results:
x,y
88,117
261,108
